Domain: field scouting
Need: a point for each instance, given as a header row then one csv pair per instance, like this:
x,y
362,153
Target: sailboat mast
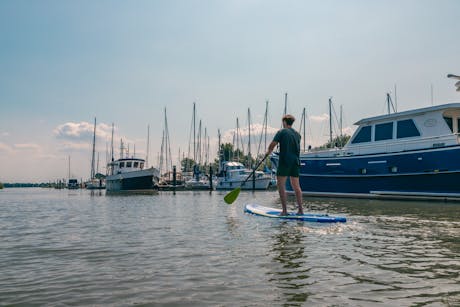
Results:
x,y
303,122
249,134
199,151
148,147
341,120
285,104
112,144
208,159
94,151
161,157
205,147
330,121
266,124
237,140
219,152
97,167
167,144
233,145
194,132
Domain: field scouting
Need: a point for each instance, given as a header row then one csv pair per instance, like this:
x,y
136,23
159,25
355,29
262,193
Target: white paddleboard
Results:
x,y
276,213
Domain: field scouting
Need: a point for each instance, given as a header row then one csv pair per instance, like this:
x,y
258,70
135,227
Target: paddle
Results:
x,y
233,194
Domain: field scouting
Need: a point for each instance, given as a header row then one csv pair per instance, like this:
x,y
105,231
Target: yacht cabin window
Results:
x,y
142,165
458,125
136,164
129,164
383,131
364,135
122,164
406,128
449,123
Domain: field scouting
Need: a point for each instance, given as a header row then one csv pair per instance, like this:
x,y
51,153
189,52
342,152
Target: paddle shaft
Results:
x,y
252,173
232,195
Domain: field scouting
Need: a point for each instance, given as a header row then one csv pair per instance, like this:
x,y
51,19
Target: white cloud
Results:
x,y
82,131
349,130
5,148
256,131
319,118
27,146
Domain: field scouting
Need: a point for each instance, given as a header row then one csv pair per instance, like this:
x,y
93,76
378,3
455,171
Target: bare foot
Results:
x,y
284,213
300,213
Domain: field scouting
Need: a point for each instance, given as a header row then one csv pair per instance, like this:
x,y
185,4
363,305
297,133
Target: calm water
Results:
x,y
75,248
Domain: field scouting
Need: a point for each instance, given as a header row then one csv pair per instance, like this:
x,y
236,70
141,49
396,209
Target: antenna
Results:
x,y
457,85
390,104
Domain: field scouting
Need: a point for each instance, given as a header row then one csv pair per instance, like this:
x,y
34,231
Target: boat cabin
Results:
x,y
432,127
126,165
236,170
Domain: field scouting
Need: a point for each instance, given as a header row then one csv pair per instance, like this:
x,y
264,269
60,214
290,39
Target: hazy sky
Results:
x,y
62,63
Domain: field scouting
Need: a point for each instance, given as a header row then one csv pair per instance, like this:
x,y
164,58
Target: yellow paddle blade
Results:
x,y
232,196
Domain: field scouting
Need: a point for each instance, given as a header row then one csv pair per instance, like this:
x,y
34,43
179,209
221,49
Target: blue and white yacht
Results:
x,y
235,174
411,154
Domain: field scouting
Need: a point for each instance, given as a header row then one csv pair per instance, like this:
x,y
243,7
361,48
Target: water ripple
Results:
x,y
192,249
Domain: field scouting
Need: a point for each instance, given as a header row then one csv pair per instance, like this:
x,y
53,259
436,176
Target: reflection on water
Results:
x,y
288,271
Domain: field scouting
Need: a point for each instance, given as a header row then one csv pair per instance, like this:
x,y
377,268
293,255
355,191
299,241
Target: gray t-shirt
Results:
x,y
289,141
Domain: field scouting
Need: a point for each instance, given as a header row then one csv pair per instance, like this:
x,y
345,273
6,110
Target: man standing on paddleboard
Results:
x,y
289,161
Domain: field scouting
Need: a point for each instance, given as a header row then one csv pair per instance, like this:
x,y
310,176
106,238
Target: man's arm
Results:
x,y
271,147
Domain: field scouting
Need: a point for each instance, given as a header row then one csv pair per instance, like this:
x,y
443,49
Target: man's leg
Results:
x,y
298,193
281,183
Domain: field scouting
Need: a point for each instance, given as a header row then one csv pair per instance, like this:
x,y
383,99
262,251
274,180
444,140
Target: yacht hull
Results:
x,y
434,172
142,180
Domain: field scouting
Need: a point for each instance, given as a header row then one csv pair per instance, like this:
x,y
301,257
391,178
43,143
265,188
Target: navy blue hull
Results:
x,y
137,183
424,183
131,184
434,170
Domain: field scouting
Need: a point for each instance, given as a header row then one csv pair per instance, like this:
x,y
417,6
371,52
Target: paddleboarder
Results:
x,y
289,161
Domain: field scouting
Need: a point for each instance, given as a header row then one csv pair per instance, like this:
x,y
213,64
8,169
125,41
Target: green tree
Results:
x,y
228,153
338,141
187,164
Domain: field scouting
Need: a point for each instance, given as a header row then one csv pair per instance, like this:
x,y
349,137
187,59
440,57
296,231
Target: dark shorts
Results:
x,y
291,170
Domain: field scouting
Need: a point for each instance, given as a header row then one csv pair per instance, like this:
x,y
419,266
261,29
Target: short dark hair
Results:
x,y
289,119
